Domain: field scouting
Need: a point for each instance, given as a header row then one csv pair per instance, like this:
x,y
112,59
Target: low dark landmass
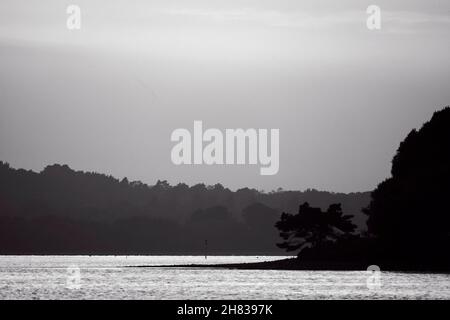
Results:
x,y
295,264
63,211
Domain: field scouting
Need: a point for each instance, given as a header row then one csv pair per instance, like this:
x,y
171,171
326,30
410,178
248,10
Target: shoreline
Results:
x,y
292,264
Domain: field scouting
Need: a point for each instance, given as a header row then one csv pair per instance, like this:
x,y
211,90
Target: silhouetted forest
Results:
x,y
62,211
409,213
312,227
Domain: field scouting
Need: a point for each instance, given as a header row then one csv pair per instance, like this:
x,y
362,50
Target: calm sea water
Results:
x,y
110,277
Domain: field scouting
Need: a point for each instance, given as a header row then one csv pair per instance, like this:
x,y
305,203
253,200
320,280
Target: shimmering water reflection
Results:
x,y
109,277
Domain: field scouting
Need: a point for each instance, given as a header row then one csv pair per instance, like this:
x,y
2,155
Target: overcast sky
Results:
x,y
107,97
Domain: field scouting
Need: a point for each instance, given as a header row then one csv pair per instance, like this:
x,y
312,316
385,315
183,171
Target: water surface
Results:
x,y
110,277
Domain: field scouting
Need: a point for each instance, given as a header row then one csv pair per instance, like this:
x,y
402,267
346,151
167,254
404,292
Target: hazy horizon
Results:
x,y
107,97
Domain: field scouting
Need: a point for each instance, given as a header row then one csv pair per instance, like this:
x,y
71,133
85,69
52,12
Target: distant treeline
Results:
x,y
62,211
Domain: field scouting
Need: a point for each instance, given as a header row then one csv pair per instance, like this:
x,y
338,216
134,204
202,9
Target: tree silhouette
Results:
x,y
409,212
312,227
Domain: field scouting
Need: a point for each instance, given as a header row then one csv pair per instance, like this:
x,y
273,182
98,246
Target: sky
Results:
x,y
107,97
